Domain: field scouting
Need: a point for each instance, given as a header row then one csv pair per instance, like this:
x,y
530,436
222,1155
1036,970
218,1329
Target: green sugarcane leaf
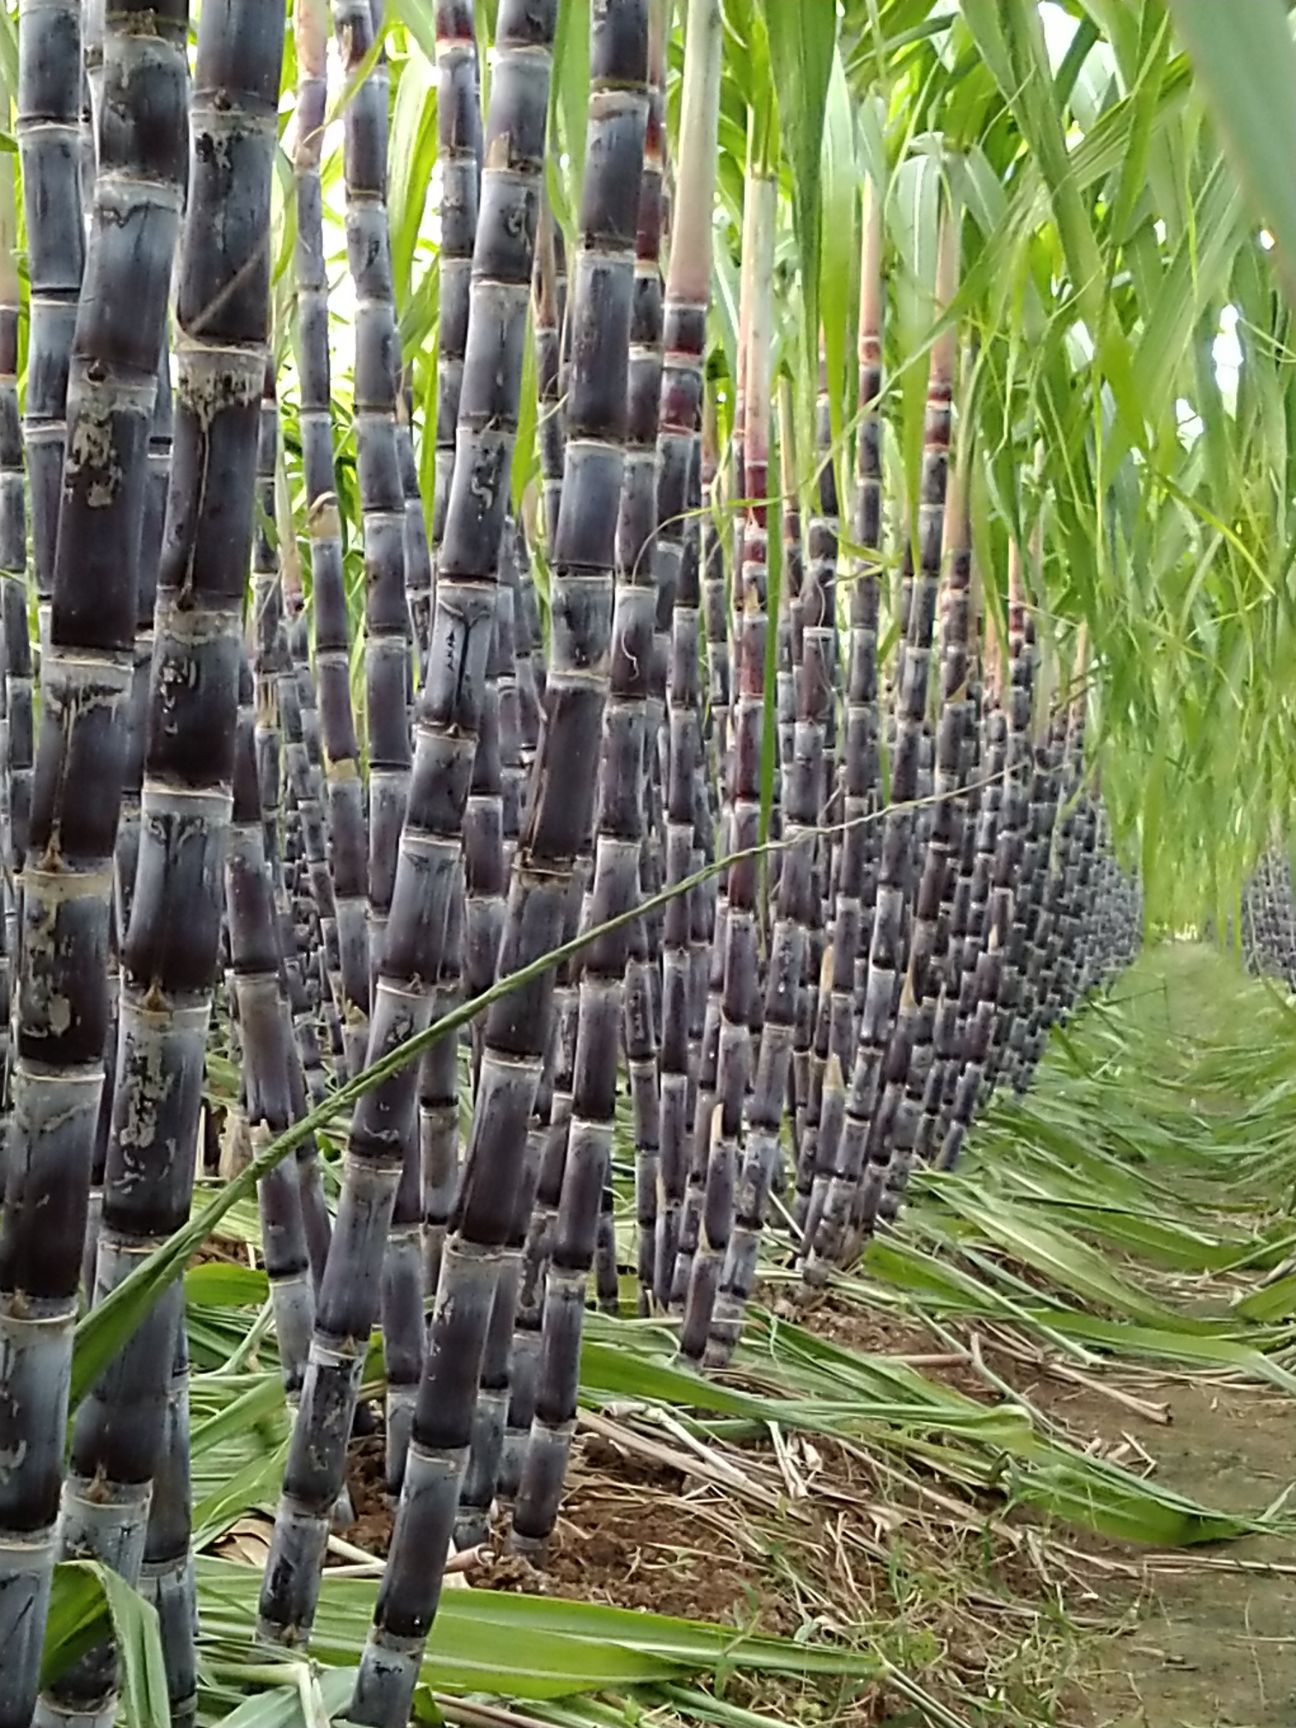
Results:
x,y
802,45
529,1647
1245,61
252,1408
90,1602
9,60
217,1285
418,19
569,98
78,1617
526,453
257,1483
1276,1301
609,1372
305,1697
1073,1264
1097,1495
412,153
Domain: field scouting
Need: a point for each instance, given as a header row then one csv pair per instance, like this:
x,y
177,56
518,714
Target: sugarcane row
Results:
x,y
868,893
1268,918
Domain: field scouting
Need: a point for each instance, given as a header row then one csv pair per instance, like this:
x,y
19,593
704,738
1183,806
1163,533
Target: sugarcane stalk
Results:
x,y
557,830
50,155
713,1196
265,1036
16,715
886,968
345,787
854,884
428,870
931,979
171,950
62,1009
688,288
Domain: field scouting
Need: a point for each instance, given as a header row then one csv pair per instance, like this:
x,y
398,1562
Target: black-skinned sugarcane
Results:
x,y
514,1329
514,663
486,1470
956,769
719,1160
606,266
928,972
126,852
485,876
827,1232
62,1009
853,888
817,666
428,877
715,604
1015,813
637,566
789,949
1060,889
262,946
265,1040
893,1130
558,830
1045,810
688,289
979,868
17,669
635,557
546,322
698,1055
382,493
50,154
459,151
324,821
1000,835
345,802
419,582
551,1118
1022,657
303,760
171,951
275,688
387,661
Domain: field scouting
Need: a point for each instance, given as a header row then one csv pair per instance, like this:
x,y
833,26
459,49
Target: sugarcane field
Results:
x,y
647,766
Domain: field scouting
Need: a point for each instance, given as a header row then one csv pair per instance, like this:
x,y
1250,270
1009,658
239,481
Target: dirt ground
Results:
x,y
1214,1643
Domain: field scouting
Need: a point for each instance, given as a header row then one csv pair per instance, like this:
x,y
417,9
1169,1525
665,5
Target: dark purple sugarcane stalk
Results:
x,y
428,883
929,975
1015,810
999,836
612,643
931,850
547,325
630,696
345,803
96,362
688,289
818,611
707,1222
853,888
15,667
847,1185
558,828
